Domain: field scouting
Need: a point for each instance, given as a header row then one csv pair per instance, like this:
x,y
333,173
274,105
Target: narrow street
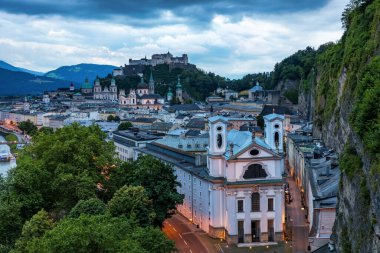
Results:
x,y
184,234
296,218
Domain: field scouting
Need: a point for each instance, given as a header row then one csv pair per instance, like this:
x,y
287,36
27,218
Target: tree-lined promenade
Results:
x,y
69,193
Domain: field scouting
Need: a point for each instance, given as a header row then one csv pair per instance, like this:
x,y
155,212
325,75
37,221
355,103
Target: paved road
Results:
x,y
297,218
185,238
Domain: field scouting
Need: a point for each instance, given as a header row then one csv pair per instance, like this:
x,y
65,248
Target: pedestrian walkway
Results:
x,y
296,219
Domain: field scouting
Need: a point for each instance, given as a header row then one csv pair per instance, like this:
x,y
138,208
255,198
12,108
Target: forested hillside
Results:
x,y
197,83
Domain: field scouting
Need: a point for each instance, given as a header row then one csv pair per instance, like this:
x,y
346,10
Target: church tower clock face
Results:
x,y
219,140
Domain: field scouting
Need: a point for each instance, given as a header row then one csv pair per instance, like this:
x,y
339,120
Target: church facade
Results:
x,y
245,184
235,192
142,97
106,93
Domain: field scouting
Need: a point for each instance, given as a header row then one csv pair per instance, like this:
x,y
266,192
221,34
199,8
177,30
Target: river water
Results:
x,y
5,166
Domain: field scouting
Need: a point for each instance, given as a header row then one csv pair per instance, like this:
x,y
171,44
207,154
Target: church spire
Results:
x,y
151,83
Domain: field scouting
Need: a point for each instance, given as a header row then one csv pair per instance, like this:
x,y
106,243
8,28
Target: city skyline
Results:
x,y
230,38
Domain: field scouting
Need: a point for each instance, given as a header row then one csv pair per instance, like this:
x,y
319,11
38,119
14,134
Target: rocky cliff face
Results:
x,y
346,106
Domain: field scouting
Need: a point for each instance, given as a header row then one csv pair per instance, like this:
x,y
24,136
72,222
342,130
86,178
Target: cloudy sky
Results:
x,y
228,37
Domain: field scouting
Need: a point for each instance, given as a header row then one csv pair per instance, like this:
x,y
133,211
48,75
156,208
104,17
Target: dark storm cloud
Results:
x,y
149,10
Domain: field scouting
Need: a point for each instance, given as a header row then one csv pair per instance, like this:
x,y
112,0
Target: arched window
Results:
x,y
276,139
255,171
255,202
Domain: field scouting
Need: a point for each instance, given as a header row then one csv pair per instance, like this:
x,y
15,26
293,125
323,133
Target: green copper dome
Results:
x,y
170,93
178,83
86,84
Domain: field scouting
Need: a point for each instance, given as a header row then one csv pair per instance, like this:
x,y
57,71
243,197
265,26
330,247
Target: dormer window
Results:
x,y
219,128
277,126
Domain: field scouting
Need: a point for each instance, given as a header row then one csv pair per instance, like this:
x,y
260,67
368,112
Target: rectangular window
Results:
x,y
270,204
240,205
255,202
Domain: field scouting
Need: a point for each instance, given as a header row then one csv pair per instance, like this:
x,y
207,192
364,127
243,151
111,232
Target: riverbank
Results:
x,y
10,138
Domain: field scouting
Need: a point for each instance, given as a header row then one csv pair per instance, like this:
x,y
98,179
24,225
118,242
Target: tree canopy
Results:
x,y
132,201
93,206
100,233
28,127
72,173
160,184
124,125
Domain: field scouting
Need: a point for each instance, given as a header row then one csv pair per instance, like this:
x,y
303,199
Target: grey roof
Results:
x,y
300,138
143,120
198,123
181,116
185,107
162,126
179,158
268,109
136,136
193,133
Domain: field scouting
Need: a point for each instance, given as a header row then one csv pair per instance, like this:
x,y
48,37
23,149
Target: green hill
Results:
x,y
197,83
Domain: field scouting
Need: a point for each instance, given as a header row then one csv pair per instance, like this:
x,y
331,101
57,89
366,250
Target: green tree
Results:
x,y
160,184
101,234
46,130
93,206
28,127
132,201
110,118
33,229
124,125
10,222
152,239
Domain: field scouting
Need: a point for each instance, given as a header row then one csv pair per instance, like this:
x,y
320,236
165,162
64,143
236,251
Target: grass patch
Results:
x,y
350,162
12,137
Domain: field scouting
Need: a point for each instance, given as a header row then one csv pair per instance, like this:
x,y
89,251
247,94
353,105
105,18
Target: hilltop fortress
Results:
x,y
137,66
167,58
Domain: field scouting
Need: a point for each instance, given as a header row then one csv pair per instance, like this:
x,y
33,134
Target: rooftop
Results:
x,y
136,136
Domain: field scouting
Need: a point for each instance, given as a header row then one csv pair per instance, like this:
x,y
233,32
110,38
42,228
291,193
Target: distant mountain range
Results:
x,y
5,65
20,81
78,73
